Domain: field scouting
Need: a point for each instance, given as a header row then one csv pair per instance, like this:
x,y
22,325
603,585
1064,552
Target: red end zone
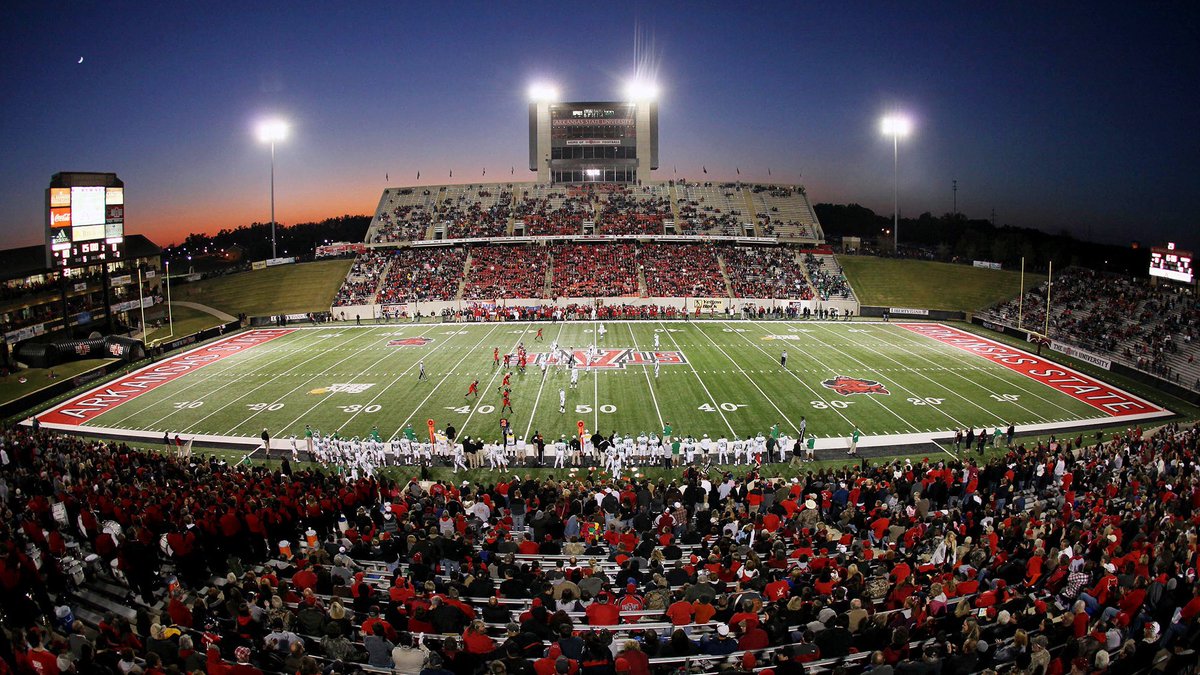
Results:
x,y
82,409
1103,397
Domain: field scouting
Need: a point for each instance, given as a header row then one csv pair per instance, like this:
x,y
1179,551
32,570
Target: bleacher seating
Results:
x,y
428,273
475,211
765,272
501,272
682,270
594,270
784,211
709,208
828,280
1150,328
362,281
404,214
1054,558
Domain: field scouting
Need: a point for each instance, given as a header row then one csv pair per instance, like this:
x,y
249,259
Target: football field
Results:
x,y
895,382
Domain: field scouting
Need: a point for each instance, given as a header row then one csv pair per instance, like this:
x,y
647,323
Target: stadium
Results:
x,y
595,422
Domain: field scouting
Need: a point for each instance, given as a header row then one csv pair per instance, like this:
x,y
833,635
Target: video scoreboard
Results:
x,y
85,218
1171,263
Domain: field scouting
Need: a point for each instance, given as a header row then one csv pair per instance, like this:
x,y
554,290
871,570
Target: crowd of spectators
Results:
x,y
827,278
482,214
407,222
682,270
758,272
639,210
1062,556
555,213
594,270
362,281
421,274
506,272
1150,328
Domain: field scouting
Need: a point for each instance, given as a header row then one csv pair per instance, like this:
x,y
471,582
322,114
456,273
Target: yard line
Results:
x,y
466,353
595,383
384,389
711,398
898,386
353,353
814,392
490,382
229,364
545,374
922,375
954,372
751,379
238,381
646,370
977,364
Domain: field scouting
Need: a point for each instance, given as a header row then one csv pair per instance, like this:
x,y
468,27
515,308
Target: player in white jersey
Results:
x,y
722,450
656,365
574,378
782,447
643,448
562,399
739,447
560,453
520,450
295,449
656,449
689,450
656,340
705,447
459,457
601,331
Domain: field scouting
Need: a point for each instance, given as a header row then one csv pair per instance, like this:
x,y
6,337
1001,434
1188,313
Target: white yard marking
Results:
x,y
490,382
711,398
738,369
352,353
542,385
466,353
649,384
878,402
817,394
972,364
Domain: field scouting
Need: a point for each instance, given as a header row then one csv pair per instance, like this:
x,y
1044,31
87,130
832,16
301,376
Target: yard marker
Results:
x,y
646,371
716,405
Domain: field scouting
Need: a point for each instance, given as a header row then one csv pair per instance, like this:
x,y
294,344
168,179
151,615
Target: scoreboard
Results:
x,y
1171,263
85,218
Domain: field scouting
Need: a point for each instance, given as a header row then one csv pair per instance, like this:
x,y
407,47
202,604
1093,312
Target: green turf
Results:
x,y
285,289
184,321
12,388
888,282
732,383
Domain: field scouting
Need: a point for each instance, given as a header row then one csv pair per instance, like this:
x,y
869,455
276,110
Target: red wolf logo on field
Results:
x,y
853,385
410,342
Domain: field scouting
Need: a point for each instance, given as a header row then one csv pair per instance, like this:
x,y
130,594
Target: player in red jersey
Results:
x,y
473,389
507,379
507,405
507,359
495,357
538,337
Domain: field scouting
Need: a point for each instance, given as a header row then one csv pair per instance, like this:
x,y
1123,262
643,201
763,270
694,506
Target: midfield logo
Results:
x,y
613,359
410,342
847,386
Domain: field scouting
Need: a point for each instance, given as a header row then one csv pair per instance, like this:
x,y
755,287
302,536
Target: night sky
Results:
x,y
1077,116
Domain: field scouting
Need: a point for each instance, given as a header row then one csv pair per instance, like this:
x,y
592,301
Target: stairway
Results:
x,y
387,270
753,215
725,276
548,287
641,278
463,283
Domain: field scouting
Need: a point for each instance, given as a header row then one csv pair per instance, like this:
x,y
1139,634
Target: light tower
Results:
x,y
270,131
896,126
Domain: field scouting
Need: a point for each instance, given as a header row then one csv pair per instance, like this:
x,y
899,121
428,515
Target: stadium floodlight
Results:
x,y
641,90
896,126
543,93
271,131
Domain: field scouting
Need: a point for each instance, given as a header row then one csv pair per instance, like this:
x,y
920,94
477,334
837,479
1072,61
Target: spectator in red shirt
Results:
x,y
602,612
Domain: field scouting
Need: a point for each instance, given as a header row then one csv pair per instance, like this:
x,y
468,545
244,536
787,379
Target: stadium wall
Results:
x,y
899,313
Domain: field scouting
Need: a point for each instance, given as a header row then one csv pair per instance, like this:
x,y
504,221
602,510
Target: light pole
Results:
x,y
896,126
270,131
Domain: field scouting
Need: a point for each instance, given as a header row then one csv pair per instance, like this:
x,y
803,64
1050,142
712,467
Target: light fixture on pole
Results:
x,y
270,131
896,126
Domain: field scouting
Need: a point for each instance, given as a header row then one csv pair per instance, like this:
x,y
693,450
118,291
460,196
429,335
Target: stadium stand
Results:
x,y
784,211
1052,558
826,276
552,212
708,208
362,281
499,272
594,270
1153,329
432,273
475,211
765,272
404,214
682,270
633,210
